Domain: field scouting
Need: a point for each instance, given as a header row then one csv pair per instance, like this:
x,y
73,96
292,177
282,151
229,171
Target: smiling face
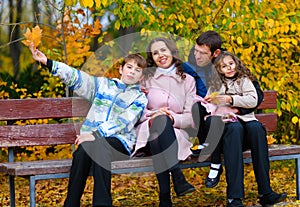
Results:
x,y
161,54
228,67
131,73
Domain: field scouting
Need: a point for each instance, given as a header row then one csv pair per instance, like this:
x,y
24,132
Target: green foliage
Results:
x,y
23,88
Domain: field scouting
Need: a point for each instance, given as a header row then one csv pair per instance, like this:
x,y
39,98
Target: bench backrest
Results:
x,y
65,133
269,119
41,108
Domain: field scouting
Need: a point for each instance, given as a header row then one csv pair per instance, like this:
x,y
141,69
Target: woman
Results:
x,y
170,94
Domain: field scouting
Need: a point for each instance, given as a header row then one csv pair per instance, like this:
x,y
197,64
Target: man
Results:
x,y
200,66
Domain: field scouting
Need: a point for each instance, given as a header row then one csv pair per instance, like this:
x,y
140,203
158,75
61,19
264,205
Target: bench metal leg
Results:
x,y
297,178
32,190
12,191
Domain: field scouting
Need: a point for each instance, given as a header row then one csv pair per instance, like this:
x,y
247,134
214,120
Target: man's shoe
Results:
x,y
235,203
212,182
272,198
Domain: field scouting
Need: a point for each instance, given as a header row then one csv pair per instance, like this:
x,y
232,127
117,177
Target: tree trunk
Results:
x,y
15,16
36,10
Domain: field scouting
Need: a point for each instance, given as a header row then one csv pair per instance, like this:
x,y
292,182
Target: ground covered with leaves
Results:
x,y
141,189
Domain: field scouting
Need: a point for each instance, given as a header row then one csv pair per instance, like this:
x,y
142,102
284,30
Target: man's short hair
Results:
x,y
211,39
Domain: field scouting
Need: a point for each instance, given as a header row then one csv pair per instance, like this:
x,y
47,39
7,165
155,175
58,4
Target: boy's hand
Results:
x,y
38,55
84,138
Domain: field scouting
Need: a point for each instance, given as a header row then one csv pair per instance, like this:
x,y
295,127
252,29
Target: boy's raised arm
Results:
x,y
38,55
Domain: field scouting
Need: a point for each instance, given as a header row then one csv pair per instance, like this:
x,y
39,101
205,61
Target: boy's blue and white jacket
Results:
x,y
116,107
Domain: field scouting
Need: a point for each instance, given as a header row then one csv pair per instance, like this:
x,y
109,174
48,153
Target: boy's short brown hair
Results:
x,y
140,60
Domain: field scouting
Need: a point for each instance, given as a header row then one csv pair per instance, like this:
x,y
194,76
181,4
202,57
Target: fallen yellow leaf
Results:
x,y
270,139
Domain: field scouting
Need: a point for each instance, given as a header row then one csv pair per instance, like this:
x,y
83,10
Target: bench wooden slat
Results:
x,y
39,108
269,101
51,134
41,167
132,163
15,109
268,120
38,135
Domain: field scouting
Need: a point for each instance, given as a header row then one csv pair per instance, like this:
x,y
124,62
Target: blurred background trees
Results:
x,y
263,33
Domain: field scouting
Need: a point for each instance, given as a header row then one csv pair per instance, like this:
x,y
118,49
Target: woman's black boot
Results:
x,y
181,186
165,200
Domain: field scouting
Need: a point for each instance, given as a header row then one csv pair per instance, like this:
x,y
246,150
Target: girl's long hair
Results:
x,y
218,78
151,66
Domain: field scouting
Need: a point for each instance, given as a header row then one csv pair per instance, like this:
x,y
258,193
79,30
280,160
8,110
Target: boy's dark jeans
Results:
x,y
96,155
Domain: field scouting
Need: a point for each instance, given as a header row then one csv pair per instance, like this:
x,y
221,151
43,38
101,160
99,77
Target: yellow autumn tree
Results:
x,y
264,34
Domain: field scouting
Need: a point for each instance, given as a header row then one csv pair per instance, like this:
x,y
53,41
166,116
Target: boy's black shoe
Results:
x,y
271,199
235,203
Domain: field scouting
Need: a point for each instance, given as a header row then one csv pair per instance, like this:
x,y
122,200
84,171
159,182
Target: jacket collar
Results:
x,y
120,84
171,74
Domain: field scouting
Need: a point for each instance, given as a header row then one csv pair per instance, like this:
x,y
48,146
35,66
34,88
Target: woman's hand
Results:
x,y
168,113
161,111
84,138
38,55
208,98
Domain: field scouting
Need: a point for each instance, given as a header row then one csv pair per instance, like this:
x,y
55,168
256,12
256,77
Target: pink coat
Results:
x,y
178,96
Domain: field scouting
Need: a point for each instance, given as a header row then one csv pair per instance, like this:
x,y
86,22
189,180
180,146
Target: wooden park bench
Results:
x,y
63,132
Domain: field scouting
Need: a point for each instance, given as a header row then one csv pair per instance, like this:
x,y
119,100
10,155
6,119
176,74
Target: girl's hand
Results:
x,y
38,55
221,99
84,138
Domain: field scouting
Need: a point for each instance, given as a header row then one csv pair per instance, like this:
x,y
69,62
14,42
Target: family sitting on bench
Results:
x,y
159,96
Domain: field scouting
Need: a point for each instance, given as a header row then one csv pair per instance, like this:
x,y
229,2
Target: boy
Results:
x,y
108,132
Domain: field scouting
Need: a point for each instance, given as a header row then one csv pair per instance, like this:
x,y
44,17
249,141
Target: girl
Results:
x,y
233,83
170,94
241,132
